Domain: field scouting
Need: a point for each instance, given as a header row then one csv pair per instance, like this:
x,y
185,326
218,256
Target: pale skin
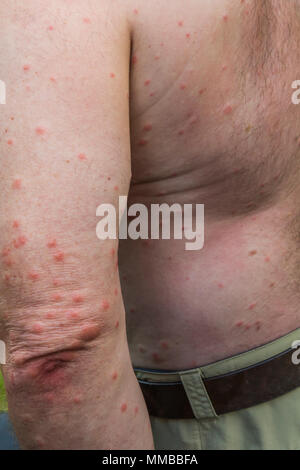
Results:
x,y
204,129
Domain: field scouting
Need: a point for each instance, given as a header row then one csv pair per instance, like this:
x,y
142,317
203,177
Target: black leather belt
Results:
x,y
231,392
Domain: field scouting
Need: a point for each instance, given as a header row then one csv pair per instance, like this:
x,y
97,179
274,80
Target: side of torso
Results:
x,y
212,123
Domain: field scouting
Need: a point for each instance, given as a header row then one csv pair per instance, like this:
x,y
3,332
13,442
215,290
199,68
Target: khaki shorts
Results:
x,y
274,425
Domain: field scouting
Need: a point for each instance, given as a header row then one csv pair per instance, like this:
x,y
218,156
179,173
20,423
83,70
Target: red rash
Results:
x,y
105,305
82,156
9,142
87,20
56,297
253,253
52,244
26,68
33,276
252,307
147,82
20,241
77,299
180,23
228,110
16,224
117,324
59,256
115,376
124,407
143,142
40,131
17,184
148,127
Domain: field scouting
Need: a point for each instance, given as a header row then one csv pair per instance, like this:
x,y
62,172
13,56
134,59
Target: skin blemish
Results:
x,y
164,345
87,20
156,358
136,11
8,262
89,332
123,407
57,297
5,251
59,256
136,410
78,299
239,324
52,244
20,241
26,67
148,127
116,188
258,325
141,349
52,79
253,253
9,142
16,224
188,35
221,285
56,283
252,306
225,18
50,28
37,328
147,82
117,324
40,131
227,110
134,60
115,376
267,259
272,285
183,86
73,315
181,132
33,276
116,291
202,91
82,157
105,306
143,143
77,400
180,23
112,75
17,184
157,57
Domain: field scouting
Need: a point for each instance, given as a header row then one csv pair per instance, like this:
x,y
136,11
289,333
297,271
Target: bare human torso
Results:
x,y
213,123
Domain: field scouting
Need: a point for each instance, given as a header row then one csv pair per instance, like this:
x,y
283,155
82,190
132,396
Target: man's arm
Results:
x,y
64,150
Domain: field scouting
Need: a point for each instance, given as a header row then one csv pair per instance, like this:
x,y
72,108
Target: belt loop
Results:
x,y
197,394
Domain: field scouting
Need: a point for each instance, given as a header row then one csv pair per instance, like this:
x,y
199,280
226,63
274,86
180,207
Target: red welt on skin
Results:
x,y
59,256
20,241
105,305
33,276
124,407
77,299
40,131
52,244
17,184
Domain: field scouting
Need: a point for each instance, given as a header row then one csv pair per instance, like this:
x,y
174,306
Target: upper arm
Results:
x,y
64,150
